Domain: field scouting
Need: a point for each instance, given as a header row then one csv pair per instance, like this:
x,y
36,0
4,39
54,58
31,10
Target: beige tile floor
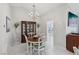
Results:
x,y
21,50
56,51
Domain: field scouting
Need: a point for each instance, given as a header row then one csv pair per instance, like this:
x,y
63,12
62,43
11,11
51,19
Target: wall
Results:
x,y
4,11
8,39
18,14
59,17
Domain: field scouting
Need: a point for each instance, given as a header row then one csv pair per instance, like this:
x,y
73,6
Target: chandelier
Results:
x,y
34,13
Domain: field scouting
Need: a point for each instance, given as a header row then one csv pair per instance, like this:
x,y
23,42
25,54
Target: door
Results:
x,y
50,43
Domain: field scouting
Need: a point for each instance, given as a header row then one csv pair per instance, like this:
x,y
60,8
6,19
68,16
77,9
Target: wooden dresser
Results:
x,y
72,40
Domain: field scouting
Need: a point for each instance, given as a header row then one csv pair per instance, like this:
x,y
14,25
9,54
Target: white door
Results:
x,y
50,37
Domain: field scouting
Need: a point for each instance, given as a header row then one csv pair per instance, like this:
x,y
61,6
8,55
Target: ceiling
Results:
x,y
41,7
74,6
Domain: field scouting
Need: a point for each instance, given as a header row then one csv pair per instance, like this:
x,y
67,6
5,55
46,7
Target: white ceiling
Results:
x,y
41,7
74,6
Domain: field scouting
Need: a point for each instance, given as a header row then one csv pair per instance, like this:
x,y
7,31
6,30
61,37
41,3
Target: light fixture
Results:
x,y
34,15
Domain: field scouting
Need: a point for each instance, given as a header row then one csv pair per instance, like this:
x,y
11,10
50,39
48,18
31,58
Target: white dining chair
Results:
x,y
76,50
26,42
40,47
29,45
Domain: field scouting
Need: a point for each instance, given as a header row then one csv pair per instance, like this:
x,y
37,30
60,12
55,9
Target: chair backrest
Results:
x,y
26,38
27,42
43,40
39,39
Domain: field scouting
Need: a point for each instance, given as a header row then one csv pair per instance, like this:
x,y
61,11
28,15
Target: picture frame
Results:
x,y
72,19
8,23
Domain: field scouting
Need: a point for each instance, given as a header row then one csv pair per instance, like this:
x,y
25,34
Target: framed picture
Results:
x,y
72,19
8,23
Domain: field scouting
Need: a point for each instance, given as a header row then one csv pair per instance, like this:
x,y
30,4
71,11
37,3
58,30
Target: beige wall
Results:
x,y
59,16
4,11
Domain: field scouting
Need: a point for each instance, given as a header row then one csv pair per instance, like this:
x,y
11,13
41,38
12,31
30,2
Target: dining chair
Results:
x,y
76,50
40,47
29,45
26,42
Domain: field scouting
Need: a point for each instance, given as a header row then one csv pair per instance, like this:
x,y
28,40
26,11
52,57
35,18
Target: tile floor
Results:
x,y
21,50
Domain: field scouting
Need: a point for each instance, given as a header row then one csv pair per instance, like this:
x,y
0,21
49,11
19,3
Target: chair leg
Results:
x,y
31,48
27,48
38,49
